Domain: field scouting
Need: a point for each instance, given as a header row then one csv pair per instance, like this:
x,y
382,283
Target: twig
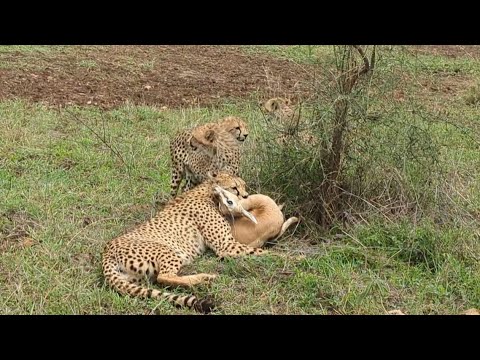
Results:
x,y
101,138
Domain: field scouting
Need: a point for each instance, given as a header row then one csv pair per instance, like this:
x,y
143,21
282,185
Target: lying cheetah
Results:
x,y
209,147
158,248
287,121
280,110
268,220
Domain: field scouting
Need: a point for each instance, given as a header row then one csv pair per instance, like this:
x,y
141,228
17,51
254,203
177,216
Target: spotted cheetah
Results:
x,y
287,121
280,109
208,147
160,247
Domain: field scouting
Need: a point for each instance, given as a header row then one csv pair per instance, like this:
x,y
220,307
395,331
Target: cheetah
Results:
x,y
287,121
280,110
160,247
267,217
208,147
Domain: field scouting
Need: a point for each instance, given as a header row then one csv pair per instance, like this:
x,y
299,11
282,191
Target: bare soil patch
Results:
x,y
171,76
453,51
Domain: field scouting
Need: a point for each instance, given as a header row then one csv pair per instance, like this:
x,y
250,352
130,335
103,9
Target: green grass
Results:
x,y
25,56
65,194
29,49
307,54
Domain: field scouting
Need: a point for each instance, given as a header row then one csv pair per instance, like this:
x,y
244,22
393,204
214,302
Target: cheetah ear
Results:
x,y
202,137
212,175
210,135
275,105
194,142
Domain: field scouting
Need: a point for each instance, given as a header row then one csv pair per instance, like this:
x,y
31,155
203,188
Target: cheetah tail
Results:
x,y
119,282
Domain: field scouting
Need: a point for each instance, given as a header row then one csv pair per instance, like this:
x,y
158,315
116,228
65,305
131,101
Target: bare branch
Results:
x,y
101,138
372,59
366,64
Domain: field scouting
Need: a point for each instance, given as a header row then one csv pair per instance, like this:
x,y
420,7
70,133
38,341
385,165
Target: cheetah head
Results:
x,y
229,204
230,132
275,104
235,126
228,182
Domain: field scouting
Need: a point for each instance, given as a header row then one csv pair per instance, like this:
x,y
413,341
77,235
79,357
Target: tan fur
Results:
x,y
287,117
280,109
206,148
157,249
395,312
471,312
271,222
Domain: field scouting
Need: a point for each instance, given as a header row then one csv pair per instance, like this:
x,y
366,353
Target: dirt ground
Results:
x,y
453,51
172,76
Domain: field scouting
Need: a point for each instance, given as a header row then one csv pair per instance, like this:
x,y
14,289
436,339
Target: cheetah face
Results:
x,y
240,133
276,104
272,105
236,127
229,204
230,183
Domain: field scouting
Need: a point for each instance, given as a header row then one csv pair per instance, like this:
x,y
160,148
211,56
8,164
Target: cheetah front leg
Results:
x,y
189,183
178,173
168,266
232,248
186,280
218,237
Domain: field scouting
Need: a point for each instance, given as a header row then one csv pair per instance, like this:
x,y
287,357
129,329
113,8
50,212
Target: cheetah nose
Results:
x,y
245,136
245,196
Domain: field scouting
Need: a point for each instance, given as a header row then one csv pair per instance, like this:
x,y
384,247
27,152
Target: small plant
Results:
x,y
473,95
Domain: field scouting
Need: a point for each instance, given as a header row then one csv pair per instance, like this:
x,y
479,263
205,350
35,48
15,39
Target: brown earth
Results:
x,y
171,76
453,51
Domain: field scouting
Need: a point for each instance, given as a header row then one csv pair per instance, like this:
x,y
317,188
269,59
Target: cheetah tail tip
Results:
x,y
205,306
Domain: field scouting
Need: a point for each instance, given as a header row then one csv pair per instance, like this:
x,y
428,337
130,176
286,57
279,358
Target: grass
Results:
x,y
29,49
303,54
65,194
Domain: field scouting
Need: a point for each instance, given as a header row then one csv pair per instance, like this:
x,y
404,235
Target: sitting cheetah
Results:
x,y
268,220
208,147
158,248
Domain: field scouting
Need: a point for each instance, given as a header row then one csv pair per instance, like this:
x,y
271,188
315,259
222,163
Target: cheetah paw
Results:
x,y
207,278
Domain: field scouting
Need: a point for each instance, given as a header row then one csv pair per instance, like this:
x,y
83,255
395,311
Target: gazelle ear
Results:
x,y
217,190
249,216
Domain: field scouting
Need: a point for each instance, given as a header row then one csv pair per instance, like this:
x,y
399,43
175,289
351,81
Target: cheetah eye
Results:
x,y
229,202
238,128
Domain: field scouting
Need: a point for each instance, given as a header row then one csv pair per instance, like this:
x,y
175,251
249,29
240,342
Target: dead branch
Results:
x,y
98,136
